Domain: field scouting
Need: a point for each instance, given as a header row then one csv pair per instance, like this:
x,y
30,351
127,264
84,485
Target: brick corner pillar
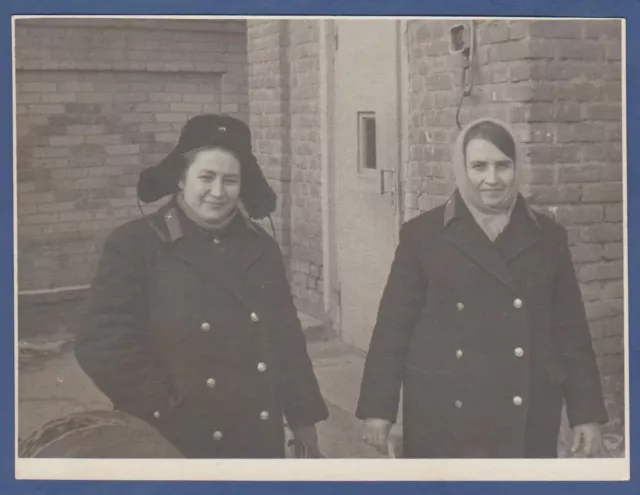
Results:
x,y
269,114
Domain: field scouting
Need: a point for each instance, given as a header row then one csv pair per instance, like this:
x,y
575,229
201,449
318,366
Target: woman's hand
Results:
x,y
375,432
589,436
308,437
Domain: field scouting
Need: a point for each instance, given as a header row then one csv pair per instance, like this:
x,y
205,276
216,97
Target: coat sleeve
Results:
x,y
113,351
582,389
296,382
402,300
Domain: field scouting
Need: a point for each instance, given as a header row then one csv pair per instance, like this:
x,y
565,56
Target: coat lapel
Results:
x,y
522,233
469,238
198,253
246,244
238,250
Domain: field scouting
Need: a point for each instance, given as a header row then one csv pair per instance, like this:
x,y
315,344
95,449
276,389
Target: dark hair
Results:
x,y
190,156
494,133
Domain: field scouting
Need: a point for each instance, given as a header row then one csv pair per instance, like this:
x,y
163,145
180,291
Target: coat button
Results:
x,y
460,306
458,404
517,400
254,318
205,326
211,382
264,415
262,367
216,241
459,353
517,303
156,414
518,351
217,435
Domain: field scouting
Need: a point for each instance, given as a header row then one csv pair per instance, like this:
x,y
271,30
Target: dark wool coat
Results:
x,y
486,339
199,336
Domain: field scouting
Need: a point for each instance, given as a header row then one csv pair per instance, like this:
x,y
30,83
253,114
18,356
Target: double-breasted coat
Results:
x,y
198,335
486,339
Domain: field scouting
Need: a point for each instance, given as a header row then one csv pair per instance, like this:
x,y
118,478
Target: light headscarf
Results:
x,y
491,218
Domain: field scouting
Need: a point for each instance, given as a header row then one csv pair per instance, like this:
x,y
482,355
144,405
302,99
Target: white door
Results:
x,y
366,155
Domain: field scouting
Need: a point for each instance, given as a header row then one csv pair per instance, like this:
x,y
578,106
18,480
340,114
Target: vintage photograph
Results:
x,y
320,238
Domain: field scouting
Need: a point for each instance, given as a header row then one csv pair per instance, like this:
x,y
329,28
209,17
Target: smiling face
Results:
x,y
211,184
490,171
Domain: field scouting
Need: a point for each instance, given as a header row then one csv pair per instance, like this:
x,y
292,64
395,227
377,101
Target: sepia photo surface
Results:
x,y
360,286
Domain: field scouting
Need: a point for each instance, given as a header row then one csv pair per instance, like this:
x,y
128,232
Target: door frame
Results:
x,y
329,42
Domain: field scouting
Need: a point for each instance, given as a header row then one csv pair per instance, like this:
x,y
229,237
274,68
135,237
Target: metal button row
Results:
x,y
218,435
517,400
205,326
262,367
517,303
518,351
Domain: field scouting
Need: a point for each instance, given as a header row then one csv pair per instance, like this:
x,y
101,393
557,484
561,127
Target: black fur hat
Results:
x,y
221,131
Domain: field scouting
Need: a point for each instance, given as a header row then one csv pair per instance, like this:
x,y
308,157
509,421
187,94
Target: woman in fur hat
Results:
x,y
482,323
194,327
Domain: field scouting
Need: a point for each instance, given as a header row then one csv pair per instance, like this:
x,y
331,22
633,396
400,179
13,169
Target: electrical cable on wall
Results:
x,y
467,71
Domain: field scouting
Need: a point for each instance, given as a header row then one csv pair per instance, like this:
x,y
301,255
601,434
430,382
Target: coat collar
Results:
x,y
171,221
452,209
242,240
225,262
461,229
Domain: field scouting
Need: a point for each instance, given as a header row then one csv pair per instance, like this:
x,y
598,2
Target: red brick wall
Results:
x,y
97,101
285,119
559,84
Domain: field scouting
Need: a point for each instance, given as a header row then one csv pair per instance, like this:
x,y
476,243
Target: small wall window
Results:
x,y
367,141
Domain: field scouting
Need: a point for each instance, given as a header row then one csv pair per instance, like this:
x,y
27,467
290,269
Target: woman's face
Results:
x,y
490,171
211,184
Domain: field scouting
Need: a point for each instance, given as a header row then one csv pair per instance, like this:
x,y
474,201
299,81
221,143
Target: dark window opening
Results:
x,y
367,144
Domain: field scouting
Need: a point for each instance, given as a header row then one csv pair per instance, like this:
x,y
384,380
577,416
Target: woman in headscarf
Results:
x,y
194,327
482,323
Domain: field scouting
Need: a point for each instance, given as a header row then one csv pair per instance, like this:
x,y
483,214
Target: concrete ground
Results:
x,y
51,385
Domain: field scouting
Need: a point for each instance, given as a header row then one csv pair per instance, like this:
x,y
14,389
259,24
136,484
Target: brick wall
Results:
x,y
306,221
97,101
269,115
559,84
284,95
